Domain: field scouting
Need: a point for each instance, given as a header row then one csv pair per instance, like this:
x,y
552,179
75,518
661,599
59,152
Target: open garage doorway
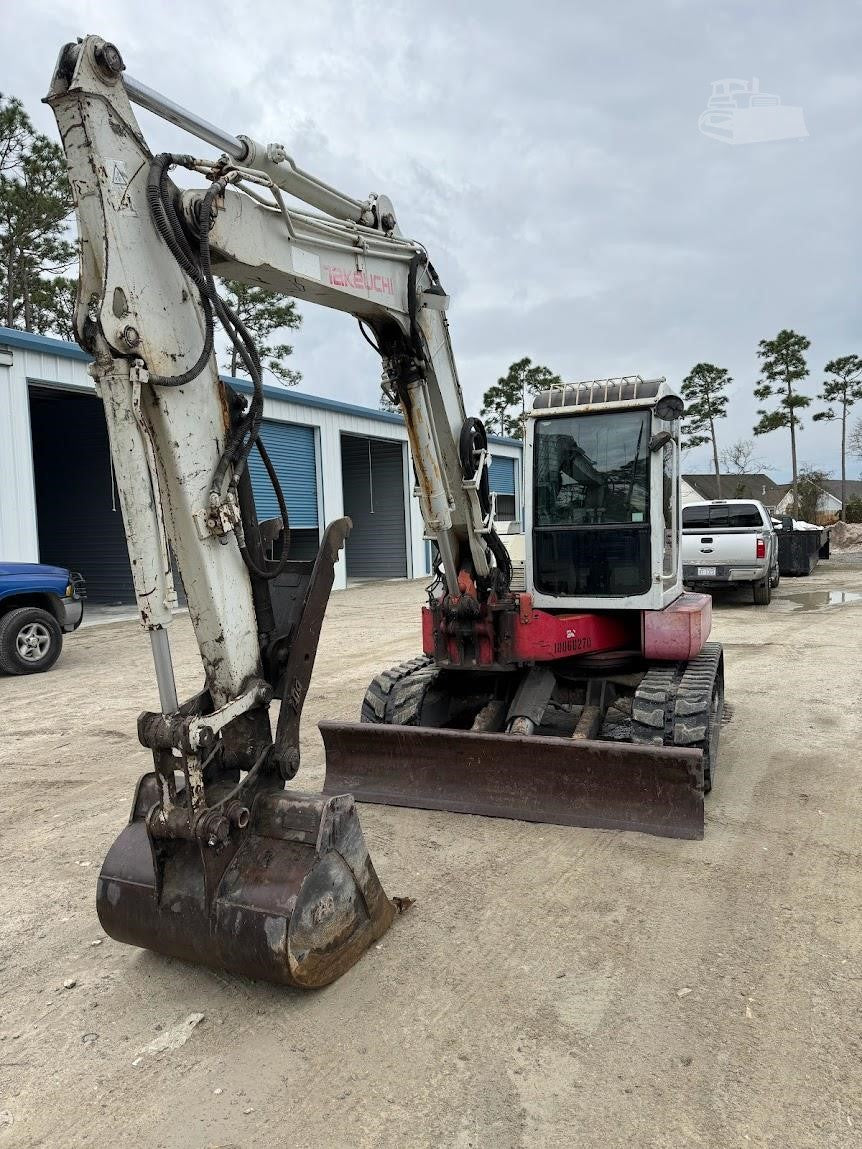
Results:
x,y
77,506
372,474
78,516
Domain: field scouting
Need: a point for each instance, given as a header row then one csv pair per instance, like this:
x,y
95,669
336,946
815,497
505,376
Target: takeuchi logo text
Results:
x,y
338,277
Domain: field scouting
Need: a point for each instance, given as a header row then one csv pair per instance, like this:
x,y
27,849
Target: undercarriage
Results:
x,y
605,740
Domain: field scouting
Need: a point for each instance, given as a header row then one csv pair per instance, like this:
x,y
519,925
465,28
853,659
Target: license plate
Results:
x,y
706,572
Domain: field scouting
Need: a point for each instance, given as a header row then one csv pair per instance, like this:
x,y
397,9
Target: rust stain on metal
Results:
x,y
224,405
653,789
292,898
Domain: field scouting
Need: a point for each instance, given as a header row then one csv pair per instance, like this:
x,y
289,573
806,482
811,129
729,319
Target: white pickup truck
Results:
x,y
727,542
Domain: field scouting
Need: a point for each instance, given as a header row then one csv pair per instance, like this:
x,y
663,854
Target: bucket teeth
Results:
x,y
293,898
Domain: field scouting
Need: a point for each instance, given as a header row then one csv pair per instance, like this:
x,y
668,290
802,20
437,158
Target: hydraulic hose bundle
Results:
x,y
196,265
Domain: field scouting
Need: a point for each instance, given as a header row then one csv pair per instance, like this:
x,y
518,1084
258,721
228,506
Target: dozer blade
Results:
x,y
568,782
294,900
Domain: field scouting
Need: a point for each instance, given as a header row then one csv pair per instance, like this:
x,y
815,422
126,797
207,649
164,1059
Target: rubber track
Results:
x,y
653,705
693,706
672,705
395,697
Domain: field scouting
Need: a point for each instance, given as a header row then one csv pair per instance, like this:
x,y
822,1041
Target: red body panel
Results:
x,y
513,632
539,636
427,631
678,632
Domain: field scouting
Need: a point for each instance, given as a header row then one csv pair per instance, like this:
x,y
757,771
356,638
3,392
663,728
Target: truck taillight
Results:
x,y
761,547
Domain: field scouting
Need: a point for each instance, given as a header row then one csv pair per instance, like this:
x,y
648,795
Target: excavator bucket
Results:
x,y
565,781
291,898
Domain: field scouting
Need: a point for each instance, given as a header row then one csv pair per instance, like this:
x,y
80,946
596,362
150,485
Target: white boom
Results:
x,y
145,322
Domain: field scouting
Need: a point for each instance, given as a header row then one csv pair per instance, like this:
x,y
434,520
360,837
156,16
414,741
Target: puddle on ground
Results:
x,y
818,599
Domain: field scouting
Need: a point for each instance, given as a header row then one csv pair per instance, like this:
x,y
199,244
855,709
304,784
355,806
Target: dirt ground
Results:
x,y
551,987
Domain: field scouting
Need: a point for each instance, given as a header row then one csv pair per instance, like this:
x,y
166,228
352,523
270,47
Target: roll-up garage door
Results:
x,y
501,476
292,451
373,478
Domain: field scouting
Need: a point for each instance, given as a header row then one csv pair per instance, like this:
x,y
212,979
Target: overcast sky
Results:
x,y
548,156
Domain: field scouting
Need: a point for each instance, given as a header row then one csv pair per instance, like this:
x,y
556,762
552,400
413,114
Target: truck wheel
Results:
x,y
30,641
763,592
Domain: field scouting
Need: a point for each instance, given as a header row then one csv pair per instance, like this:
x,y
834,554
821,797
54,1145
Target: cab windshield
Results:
x,y
591,530
592,469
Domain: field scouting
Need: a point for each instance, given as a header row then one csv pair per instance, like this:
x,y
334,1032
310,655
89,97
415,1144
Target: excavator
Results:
x,y
586,696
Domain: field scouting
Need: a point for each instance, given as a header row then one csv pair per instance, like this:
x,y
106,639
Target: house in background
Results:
x,y
695,488
829,502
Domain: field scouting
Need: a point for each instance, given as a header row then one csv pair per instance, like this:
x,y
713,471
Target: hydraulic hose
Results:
x,y
197,266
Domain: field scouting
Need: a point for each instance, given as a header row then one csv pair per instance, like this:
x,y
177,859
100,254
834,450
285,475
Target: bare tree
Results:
x,y
854,439
739,458
811,491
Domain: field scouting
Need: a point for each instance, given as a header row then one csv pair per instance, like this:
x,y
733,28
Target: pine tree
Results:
x,y
35,206
496,404
843,385
704,392
739,458
782,369
264,313
53,307
523,379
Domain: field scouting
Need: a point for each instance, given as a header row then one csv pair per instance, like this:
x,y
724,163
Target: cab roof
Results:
x,y
623,391
625,388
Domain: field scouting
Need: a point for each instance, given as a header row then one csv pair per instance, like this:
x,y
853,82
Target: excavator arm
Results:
x,y
220,863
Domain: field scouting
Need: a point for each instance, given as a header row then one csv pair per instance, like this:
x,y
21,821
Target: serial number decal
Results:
x,y
572,645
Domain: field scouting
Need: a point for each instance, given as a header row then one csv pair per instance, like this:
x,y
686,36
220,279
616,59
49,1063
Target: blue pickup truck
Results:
x,y
38,603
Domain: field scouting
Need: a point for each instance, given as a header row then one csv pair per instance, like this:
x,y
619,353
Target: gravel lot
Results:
x,y
551,987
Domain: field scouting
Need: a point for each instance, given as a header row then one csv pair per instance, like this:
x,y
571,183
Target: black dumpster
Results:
x,y
800,551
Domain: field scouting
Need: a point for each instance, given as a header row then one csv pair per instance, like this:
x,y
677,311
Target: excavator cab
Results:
x,y
605,517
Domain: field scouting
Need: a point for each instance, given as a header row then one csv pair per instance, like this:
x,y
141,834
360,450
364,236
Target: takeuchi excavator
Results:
x,y
581,692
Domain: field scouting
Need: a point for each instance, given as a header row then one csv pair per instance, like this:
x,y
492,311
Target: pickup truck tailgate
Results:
x,y
726,548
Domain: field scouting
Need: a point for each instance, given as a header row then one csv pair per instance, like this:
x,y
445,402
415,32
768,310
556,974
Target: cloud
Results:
x,y
548,157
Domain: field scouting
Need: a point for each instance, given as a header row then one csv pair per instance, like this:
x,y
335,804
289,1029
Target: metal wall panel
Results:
x,y
39,360
291,449
373,479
